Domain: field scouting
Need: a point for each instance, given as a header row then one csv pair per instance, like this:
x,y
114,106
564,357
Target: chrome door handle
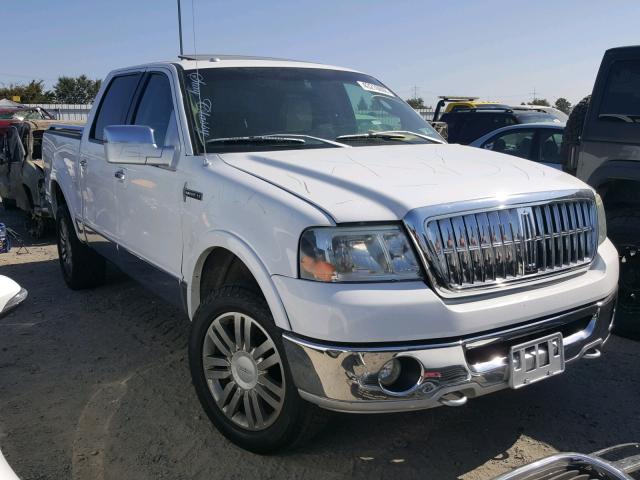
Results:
x,y
119,175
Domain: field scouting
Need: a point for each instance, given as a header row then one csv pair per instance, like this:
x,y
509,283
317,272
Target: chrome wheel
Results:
x,y
244,371
64,244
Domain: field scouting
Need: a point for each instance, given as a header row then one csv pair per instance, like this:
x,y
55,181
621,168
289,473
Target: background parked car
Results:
x,y
466,125
603,148
22,173
539,142
559,114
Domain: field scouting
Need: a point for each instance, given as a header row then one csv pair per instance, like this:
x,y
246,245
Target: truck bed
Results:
x,y
63,141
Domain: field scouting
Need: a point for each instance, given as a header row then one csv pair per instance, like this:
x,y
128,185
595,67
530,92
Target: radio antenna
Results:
x,y
180,27
202,118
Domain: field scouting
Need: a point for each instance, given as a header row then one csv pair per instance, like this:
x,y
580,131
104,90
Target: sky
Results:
x,y
495,49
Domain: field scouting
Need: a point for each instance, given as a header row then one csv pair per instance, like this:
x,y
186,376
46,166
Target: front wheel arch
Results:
x,y
220,239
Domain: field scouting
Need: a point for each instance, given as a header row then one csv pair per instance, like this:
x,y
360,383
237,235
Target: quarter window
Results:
x,y
115,104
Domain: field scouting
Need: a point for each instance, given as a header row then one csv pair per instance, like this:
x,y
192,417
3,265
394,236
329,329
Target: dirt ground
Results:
x,y
95,385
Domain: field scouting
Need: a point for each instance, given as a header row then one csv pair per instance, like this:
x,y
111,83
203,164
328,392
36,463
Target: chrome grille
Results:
x,y
499,245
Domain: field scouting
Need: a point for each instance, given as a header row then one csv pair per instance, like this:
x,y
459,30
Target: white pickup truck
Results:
x,y
329,247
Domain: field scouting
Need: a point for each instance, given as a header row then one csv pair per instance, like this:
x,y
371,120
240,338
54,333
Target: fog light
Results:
x,y
389,372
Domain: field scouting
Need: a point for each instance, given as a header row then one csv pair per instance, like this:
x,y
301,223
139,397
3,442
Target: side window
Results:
x,y
621,99
115,104
516,143
156,107
550,142
481,123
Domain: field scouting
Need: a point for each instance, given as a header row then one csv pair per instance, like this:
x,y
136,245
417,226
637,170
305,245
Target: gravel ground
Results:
x,y
95,385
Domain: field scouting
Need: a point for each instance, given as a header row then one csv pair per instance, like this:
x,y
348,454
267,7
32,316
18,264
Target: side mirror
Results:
x,y
134,144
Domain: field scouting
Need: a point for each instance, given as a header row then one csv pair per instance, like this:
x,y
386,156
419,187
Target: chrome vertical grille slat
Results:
x,y
541,242
504,244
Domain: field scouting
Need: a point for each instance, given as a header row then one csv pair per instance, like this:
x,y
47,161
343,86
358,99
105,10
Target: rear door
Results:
x,y
97,177
518,142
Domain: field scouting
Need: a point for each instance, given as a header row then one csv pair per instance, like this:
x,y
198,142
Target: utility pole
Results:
x,y
534,94
415,91
180,27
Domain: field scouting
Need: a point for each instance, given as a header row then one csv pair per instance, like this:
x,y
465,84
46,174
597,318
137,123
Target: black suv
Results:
x,y
468,124
602,142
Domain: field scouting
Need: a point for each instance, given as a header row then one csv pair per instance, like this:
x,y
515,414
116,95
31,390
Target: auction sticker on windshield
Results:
x,y
372,87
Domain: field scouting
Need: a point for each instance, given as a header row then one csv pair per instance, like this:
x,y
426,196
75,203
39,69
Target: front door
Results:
x,y
150,197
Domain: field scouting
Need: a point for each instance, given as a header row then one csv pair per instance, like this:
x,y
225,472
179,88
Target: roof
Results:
x,y
519,126
204,61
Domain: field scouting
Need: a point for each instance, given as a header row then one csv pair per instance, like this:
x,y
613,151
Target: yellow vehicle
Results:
x,y
457,103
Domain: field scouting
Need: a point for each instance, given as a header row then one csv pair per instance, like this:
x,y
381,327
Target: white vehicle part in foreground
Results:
x,y
6,473
11,294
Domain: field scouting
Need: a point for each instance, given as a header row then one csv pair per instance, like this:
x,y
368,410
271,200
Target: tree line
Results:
x,y
80,89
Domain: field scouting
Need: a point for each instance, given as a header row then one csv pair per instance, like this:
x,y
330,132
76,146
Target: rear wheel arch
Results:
x,y
57,197
618,183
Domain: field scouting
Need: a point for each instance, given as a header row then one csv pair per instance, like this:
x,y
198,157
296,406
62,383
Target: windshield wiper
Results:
x,y
267,139
311,137
383,135
389,135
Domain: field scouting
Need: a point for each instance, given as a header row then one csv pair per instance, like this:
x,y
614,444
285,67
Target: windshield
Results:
x,y
250,109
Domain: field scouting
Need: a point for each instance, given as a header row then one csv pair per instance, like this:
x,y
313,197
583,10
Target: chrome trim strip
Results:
x,y
507,245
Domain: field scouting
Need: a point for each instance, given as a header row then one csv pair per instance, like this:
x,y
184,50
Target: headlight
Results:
x,y
357,254
602,220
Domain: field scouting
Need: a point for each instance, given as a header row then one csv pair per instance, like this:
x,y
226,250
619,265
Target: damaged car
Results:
x,y
22,172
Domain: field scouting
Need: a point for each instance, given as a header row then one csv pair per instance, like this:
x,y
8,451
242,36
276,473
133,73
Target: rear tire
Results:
x,y
623,227
224,365
81,267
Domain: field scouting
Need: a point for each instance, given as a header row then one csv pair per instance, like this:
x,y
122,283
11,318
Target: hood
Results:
x,y
383,183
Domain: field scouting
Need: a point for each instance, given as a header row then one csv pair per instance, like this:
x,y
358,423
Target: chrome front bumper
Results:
x,y
345,378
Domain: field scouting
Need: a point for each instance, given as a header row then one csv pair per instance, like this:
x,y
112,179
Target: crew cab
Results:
x,y
329,247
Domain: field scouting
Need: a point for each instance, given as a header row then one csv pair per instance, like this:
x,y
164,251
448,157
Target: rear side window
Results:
x,y
480,123
516,143
621,99
115,104
156,107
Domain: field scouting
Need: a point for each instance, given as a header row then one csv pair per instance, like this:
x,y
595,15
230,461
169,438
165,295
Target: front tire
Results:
x,y
81,267
241,375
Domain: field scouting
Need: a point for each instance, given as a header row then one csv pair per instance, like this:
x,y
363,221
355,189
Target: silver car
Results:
x,y
539,142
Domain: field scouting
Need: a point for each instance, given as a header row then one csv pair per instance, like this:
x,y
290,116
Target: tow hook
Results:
x,y
592,353
453,399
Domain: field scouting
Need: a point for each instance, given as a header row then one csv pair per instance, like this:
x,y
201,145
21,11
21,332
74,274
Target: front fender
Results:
x,y
192,270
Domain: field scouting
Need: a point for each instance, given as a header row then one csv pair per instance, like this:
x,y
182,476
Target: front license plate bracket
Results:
x,y
536,360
